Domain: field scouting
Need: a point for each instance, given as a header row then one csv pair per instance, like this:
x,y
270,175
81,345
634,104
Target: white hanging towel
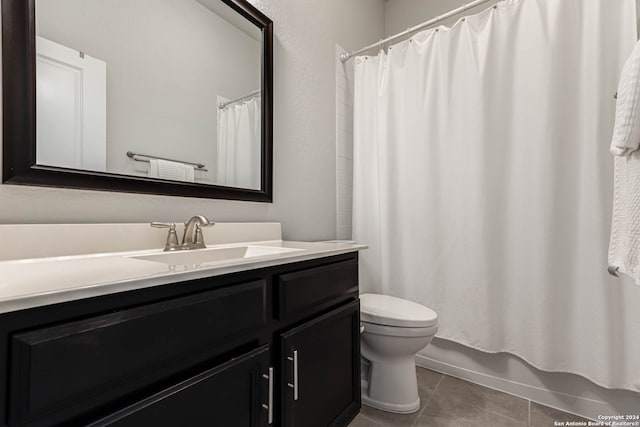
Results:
x,y
175,171
624,245
153,168
626,131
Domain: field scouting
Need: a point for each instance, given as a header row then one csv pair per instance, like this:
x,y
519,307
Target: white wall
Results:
x,y
306,32
503,371
344,146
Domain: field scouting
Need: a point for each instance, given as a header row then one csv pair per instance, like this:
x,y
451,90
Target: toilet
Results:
x,y
394,331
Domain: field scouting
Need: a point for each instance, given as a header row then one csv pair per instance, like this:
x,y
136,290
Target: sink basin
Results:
x,y
204,256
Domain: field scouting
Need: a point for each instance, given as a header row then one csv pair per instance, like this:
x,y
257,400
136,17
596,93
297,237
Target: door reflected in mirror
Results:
x,y
162,89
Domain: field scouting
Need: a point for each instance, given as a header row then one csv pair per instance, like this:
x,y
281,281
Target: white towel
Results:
x,y
624,245
175,171
189,173
626,131
153,168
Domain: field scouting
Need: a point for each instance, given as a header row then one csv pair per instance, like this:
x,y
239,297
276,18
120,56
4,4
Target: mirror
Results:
x,y
153,96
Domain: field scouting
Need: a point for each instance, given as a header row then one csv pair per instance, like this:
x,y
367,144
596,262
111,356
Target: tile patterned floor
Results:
x,y
448,401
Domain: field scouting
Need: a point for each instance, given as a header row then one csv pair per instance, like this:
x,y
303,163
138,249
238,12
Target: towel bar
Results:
x,y
136,157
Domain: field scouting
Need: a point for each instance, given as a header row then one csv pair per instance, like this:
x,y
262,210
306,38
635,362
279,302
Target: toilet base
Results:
x,y
391,385
407,408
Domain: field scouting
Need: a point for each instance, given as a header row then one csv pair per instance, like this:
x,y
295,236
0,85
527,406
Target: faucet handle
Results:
x,y
199,235
172,237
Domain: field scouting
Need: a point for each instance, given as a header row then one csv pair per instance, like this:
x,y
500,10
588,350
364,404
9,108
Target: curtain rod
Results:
x,y
345,56
242,98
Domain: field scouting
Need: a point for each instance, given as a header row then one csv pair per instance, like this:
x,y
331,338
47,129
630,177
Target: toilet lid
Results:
x,y
391,311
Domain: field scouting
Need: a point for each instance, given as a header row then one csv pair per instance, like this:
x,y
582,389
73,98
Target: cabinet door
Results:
x,y
236,393
321,370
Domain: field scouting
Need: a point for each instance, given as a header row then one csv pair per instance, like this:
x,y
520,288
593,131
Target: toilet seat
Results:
x,y
386,310
395,331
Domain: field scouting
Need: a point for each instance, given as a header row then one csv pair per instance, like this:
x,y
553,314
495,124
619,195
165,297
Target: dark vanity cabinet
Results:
x,y
272,346
321,375
228,395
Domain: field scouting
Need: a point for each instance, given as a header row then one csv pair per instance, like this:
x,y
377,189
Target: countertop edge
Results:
x,y
29,301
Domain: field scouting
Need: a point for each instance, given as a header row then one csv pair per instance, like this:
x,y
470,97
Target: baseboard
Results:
x,y
584,407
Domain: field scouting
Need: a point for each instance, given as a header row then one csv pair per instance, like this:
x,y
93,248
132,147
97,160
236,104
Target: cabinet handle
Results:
x,y
294,386
269,408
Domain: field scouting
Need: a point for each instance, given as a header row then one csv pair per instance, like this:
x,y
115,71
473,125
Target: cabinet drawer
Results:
x,y
229,395
302,290
78,366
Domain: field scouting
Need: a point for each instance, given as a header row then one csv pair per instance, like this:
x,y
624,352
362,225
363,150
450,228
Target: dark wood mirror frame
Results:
x,y
19,118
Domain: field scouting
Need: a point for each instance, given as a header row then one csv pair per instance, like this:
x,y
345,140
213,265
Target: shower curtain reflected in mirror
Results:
x,y
483,182
239,148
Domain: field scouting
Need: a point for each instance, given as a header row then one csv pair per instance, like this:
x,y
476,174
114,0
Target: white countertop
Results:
x,y
27,283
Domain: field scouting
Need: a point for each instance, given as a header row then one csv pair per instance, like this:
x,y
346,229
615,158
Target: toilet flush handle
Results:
x,y
361,327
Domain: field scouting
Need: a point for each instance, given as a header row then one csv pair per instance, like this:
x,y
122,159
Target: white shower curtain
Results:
x,y
239,148
483,182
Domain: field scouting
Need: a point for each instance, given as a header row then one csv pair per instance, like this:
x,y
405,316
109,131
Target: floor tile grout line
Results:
x,y
420,413
497,414
371,419
424,407
489,388
413,424
436,387
488,411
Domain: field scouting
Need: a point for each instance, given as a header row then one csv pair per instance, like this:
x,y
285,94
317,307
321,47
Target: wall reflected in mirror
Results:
x,y
167,89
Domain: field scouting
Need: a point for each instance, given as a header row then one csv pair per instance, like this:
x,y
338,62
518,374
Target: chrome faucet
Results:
x,y
192,238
